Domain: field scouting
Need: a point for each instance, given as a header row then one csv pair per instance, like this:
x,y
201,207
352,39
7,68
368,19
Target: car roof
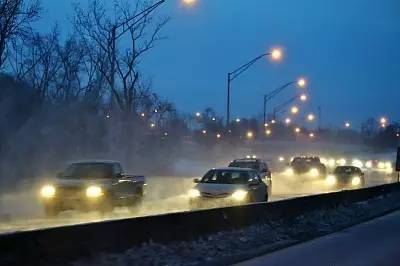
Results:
x,y
233,169
306,157
95,161
348,167
248,160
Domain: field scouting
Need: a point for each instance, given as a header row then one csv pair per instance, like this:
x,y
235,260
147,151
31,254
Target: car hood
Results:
x,y
346,176
66,182
219,188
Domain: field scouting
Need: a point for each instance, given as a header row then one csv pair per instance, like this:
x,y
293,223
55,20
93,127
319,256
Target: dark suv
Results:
x,y
308,165
259,166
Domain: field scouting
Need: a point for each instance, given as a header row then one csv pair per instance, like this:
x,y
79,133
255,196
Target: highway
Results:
x,y
165,194
372,243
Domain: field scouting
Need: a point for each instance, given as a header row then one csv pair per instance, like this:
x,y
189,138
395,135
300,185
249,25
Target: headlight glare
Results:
x,y
289,172
355,181
239,195
94,192
48,191
194,193
314,172
331,180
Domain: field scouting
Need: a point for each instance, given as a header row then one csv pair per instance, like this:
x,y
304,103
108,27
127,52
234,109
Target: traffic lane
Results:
x,y
372,243
148,207
165,195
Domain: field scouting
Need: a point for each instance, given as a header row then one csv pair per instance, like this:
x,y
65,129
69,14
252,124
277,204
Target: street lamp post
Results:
x,y
282,106
114,37
129,23
276,54
267,97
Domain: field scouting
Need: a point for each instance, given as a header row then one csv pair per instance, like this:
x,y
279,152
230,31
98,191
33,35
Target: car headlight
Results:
x,y
331,180
355,181
194,193
48,191
239,195
314,172
289,172
94,192
381,165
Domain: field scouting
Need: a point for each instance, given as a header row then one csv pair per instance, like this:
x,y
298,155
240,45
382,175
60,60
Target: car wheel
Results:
x,y
135,205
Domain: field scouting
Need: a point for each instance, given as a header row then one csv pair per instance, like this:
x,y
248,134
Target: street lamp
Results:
x,y
276,55
310,117
198,114
237,120
268,132
297,130
347,125
126,26
288,121
300,82
189,2
250,134
294,110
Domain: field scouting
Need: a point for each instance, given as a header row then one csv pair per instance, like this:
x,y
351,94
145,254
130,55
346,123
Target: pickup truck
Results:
x,y
309,165
92,185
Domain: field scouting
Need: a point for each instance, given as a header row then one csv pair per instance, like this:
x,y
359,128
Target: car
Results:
x,y
346,177
92,185
310,165
260,166
226,187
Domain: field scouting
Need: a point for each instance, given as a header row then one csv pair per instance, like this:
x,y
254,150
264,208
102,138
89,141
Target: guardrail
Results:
x,y
62,244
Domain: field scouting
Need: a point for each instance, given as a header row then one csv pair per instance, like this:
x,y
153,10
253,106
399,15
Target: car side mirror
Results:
x,y
253,182
119,175
60,175
196,180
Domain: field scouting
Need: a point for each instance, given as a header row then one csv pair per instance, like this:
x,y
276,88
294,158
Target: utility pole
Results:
x,y
319,117
265,109
228,103
113,59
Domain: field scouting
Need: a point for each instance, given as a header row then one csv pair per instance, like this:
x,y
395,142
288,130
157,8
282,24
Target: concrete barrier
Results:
x,y
59,245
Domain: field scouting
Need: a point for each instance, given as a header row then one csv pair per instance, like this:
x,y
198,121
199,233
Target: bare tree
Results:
x,y
36,61
16,17
100,30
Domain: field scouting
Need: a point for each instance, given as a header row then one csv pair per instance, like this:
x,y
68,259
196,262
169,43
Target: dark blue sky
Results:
x,y
349,50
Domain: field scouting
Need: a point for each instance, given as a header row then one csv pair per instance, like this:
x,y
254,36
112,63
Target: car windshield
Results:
x,y
226,177
305,160
244,164
345,170
88,171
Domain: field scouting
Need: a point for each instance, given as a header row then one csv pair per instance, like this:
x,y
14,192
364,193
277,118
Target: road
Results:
x,y
165,194
372,243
